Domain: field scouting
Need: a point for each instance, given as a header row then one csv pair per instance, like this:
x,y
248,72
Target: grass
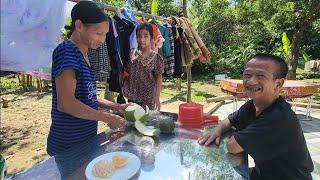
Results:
x,y
201,89
9,82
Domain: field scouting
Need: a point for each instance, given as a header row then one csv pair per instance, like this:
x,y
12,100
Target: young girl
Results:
x,y
74,99
145,68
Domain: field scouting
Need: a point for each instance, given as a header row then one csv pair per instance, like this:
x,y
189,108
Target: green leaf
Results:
x,y
68,21
305,57
195,22
285,43
154,7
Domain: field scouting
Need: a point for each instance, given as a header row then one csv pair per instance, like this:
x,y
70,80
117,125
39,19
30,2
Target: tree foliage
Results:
x,y
234,30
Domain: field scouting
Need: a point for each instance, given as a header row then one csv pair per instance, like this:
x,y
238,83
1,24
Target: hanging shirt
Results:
x,y
157,38
125,29
130,16
177,52
33,29
169,61
141,85
164,51
65,129
116,65
100,62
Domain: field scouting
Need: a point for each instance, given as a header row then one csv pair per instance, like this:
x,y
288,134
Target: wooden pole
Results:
x,y
23,82
189,76
189,79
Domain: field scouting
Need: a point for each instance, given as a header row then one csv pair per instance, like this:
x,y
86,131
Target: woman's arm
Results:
x,y
67,103
103,103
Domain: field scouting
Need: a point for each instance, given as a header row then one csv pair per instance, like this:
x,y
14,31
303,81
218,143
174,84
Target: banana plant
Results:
x,y
286,46
154,7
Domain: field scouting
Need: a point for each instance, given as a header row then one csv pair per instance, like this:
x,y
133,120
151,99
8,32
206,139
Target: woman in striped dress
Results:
x,y
74,99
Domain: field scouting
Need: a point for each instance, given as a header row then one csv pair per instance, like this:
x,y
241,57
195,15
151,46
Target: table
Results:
x,y
174,156
290,90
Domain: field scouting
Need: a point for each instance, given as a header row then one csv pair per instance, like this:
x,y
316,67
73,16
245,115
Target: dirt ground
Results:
x,y
25,125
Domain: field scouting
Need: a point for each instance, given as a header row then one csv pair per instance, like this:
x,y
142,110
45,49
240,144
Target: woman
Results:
x,y
74,99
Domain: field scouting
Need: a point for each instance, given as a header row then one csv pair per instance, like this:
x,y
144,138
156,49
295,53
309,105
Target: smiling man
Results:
x,y
266,127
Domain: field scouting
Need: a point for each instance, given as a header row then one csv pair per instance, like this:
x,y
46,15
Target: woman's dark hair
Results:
x,y
87,12
147,27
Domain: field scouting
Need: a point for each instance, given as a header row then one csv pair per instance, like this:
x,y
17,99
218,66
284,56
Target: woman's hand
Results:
x,y
122,107
114,121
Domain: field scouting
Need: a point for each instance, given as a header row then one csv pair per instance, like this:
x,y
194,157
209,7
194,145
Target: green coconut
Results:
x,y
129,112
145,130
145,116
166,126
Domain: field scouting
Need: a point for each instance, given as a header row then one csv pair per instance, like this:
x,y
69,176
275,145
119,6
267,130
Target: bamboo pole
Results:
x,y
189,75
115,9
189,79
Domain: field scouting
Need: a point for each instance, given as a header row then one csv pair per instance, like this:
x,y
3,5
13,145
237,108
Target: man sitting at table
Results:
x,y
266,127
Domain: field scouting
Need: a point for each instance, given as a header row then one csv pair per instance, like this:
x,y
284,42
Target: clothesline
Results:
x,y
138,13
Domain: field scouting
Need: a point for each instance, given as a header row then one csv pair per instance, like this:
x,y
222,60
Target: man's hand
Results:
x,y
210,137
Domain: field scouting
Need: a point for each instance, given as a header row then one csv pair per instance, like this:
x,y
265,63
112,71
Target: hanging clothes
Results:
x,y
204,56
33,29
125,29
177,52
190,42
157,38
100,62
130,16
169,61
116,64
165,49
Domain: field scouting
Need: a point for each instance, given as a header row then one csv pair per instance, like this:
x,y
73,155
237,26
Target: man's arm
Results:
x,y
233,147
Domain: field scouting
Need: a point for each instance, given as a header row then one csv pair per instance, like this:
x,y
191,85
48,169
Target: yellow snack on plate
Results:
x,y
119,161
103,169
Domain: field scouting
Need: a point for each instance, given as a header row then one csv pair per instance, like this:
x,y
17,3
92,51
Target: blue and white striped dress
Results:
x,y
66,129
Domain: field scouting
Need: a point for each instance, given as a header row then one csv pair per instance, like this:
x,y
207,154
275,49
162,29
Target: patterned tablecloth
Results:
x,y
291,89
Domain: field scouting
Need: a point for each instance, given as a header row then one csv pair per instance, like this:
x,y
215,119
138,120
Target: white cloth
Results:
x,y
30,31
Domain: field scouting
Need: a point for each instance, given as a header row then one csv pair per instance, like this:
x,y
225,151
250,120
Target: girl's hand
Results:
x,y
157,104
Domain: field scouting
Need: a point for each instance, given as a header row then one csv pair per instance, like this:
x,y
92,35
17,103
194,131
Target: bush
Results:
x,y
308,76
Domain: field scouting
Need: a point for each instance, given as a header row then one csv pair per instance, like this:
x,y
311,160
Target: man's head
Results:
x,y
263,77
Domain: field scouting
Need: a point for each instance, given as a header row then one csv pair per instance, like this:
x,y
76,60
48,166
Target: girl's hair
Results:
x,y
88,12
147,27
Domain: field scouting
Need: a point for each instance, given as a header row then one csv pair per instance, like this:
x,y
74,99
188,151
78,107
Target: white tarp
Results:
x,y
30,30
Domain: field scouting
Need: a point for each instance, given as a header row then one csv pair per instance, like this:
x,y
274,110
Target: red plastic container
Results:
x,y
191,115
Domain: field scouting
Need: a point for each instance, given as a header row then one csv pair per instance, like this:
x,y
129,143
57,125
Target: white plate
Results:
x,y
126,172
